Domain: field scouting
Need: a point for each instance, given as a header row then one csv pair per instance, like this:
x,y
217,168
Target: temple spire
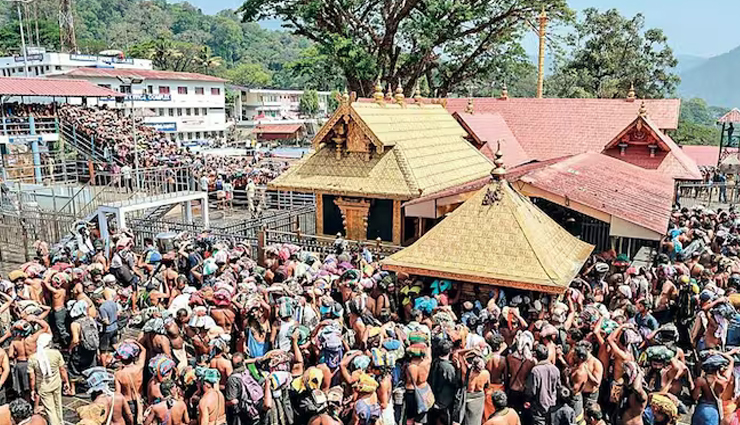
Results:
x,y
378,94
631,96
643,110
541,60
469,108
499,171
400,98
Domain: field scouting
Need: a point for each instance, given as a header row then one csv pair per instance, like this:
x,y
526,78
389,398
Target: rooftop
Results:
x,y
490,128
705,156
146,74
16,86
732,116
277,128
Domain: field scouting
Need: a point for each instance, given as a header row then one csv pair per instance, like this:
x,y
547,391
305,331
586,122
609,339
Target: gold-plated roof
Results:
x,y
423,151
496,237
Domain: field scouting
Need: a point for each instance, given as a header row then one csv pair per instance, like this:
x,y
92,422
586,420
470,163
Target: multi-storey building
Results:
x,y
41,63
266,106
186,106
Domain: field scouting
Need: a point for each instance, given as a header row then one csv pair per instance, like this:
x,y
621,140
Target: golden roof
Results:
x,y
496,237
417,149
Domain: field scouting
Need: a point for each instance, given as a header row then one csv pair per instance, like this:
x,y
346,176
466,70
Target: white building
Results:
x,y
187,106
265,106
41,63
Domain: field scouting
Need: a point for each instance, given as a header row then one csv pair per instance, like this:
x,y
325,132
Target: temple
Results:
x,y
497,237
370,157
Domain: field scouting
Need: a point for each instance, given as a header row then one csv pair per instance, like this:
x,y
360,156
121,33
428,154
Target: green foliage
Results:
x,y
309,103
332,102
449,44
697,123
608,52
251,75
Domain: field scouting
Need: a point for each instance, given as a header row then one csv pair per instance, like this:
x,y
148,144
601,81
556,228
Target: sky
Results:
x,y
694,27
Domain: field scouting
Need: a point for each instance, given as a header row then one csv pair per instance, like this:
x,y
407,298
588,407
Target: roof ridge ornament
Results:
x,y
400,98
631,96
345,97
469,108
494,192
417,94
389,94
504,93
643,110
378,94
499,171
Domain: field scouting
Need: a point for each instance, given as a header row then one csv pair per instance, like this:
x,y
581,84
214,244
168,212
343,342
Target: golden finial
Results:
x,y
389,94
378,94
643,110
399,95
504,92
417,94
498,171
469,107
631,93
345,96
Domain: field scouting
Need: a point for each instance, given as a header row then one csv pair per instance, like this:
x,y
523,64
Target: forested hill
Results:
x,y
180,37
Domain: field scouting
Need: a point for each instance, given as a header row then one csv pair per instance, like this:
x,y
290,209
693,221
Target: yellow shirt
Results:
x,y
53,381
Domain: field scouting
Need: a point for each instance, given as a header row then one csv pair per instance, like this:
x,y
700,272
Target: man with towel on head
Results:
x,y
212,407
48,377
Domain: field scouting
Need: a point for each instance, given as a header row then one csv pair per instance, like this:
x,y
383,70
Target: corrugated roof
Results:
x,y
704,156
552,128
639,196
278,128
423,152
146,74
506,242
489,129
732,116
16,86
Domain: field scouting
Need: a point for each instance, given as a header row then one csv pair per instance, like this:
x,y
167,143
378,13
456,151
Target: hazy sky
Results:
x,y
694,27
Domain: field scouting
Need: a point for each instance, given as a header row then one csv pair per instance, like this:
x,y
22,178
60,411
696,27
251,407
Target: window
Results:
x,y
161,112
20,70
105,86
41,69
182,90
187,111
199,90
57,68
124,89
164,90
205,111
221,133
190,135
215,91
197,134
171,112
196,111
181,136
150,89
47,67
179,112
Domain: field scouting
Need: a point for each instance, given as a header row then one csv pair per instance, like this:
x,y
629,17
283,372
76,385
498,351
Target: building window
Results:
x,y
190,135
171,112
161,112
182,90
197,134
47,67
215,91
187,111
196,111
179,112
221,133
150,89
164,89
205,111
124,89
199,90
105,86
181,136
57,68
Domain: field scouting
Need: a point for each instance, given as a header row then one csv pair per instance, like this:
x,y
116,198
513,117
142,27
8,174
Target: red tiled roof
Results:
x,y
639,196
278,128
732,116
490,128
16,86
146,74
670,160
704,156
552,128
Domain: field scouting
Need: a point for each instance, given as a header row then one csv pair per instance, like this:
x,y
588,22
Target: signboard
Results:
x,y
84,58
24,140
105,59
34,57
142,97
162,126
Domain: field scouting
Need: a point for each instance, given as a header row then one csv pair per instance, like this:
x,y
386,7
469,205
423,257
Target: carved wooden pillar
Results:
x,y
397,222
319,213
354,215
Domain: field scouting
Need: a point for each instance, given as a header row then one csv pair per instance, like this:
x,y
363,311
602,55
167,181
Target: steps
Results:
x,y
84,145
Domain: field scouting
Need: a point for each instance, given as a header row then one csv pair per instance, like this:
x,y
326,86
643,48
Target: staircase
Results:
x,y
84,145
156,213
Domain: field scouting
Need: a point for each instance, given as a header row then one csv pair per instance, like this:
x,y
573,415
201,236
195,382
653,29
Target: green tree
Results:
x,y
608,53
448,42
309,103
697,123
206,62
250,75
332,101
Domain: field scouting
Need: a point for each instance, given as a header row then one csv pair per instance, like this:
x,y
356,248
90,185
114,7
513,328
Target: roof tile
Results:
x,y
16,86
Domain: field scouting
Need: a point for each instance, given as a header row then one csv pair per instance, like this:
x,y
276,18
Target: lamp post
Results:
x,y
23,35
131,81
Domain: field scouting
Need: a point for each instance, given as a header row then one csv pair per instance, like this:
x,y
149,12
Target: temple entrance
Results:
x,y
380,220
332,216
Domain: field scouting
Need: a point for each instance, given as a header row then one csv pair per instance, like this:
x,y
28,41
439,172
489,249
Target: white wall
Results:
x,y
41,64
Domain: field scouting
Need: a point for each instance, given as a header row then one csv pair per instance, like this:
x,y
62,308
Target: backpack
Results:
x,y
330,340
89,338
251,395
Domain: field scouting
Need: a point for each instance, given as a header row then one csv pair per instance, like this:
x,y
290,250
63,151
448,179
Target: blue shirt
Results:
x,y
109,311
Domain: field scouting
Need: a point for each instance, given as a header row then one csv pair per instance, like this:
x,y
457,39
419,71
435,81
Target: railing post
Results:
x,y
261,246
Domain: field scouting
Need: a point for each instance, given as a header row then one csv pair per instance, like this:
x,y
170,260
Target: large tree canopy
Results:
x,y
450,42
608,52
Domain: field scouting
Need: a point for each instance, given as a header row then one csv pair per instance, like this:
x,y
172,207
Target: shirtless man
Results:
x,y
620,354
21,412
129,380
478,380
212,407
503,415
22,348
122,414
666,298
170,411
224,317
221,362
581,375
258,329
417,374
58,301
177,343
636,396
154,339
35,290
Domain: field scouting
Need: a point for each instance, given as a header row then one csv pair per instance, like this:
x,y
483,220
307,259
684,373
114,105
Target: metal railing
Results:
x,y
325,245
23,126
708,194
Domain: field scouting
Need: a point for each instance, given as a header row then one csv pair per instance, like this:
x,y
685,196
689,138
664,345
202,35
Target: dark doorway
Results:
x,y
380,220
587,229
332,216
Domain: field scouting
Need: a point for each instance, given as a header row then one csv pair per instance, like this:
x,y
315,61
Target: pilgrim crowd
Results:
x,y
197,330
